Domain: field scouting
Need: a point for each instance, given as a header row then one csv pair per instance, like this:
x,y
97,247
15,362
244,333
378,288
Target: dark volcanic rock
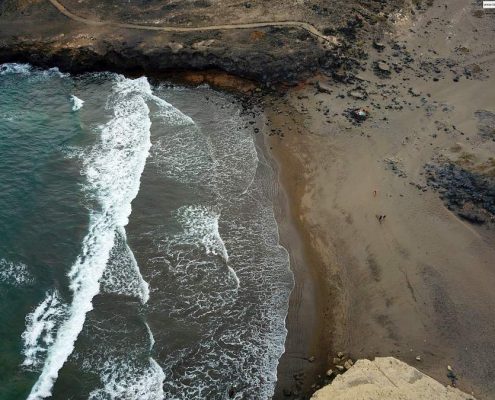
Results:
x,y
35,32
486,124
248,61
470,195
382,69
357,115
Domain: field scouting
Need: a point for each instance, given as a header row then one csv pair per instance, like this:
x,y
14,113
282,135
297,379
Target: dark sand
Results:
x,y
421,282
301,364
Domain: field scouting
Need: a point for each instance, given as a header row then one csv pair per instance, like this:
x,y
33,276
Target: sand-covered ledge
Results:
x,y
387,378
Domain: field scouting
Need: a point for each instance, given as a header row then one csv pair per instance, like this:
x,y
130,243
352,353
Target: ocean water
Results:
x,y
139,254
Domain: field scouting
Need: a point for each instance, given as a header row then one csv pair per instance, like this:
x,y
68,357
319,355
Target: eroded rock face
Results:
x,y
35,31
387,378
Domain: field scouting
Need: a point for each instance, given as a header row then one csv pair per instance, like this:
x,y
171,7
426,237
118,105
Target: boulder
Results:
x,y
383,68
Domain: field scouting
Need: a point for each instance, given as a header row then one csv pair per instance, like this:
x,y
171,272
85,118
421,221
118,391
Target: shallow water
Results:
x,y
139,254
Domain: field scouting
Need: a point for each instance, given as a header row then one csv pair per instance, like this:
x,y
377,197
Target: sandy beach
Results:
x,y
418,283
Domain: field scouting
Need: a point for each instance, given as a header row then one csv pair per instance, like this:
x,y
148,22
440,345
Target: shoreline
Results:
x,y
308,347
412,286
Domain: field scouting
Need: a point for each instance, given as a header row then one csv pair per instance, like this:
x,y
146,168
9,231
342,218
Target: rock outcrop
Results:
x,y
387,378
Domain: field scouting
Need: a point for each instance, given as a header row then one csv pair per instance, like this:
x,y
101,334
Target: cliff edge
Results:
x,y
387,378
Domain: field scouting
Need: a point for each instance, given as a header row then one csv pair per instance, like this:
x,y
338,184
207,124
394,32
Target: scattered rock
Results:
x,y
382,68
358,94
379,45
322,88
414,92
340,354
418,358
329,373
357,115
348,364
486,124
311,359
395,165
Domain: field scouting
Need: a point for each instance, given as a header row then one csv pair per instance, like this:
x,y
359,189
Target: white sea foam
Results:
x,y
126,380
55,72
77,103
200,225
27,69
170,114
41,327
13,68
222,164
122,274
150,334
15,274
113,168
183,155
221,159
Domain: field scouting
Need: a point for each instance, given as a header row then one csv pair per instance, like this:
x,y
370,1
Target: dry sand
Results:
x,y
422,281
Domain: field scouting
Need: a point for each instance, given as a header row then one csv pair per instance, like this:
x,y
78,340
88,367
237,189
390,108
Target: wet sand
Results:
x,y
301,364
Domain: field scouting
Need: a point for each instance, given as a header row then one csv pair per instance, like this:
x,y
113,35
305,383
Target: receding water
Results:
x,y
139,254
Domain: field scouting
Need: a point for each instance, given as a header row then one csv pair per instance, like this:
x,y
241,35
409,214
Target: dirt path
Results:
x,y
296,24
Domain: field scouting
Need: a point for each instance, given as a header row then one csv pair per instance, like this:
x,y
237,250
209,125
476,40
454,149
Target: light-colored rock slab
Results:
x,y
387,378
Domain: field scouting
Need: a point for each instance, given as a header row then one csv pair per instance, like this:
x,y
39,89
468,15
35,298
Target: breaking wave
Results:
x,y
113,168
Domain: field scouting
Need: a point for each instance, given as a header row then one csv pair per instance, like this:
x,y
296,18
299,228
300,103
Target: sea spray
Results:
x,y
113,168
28,69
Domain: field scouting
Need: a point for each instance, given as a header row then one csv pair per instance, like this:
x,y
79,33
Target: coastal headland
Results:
x,y
380,119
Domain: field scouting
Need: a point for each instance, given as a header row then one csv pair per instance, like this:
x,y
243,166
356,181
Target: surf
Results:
x,y
112,168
